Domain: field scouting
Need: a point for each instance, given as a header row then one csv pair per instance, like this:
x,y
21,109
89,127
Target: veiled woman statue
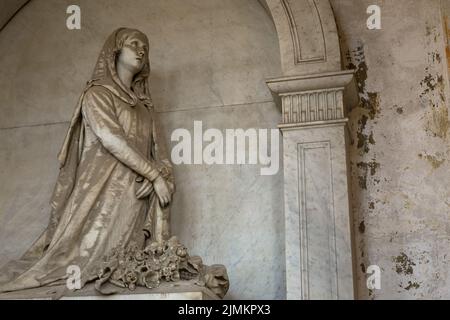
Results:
x,y
114,184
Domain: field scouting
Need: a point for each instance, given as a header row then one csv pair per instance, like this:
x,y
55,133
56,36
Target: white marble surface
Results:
x,y
232,215
181,290
318,243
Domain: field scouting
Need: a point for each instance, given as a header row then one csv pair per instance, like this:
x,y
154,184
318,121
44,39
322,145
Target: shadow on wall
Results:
x,y
9,9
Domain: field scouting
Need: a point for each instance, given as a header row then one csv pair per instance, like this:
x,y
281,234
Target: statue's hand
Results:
x,y
171,186
144,190
162,191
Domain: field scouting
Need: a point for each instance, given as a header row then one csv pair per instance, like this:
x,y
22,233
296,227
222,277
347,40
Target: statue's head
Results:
x,y
130,48
133,50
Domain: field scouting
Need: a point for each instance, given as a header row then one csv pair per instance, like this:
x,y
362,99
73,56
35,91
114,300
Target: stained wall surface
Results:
x,y
399,148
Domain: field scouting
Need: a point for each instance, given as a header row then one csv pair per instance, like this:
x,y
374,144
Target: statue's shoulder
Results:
x,y
98,96
99,91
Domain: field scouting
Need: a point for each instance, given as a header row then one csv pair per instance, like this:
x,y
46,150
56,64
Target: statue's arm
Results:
x,y
158,152
99,114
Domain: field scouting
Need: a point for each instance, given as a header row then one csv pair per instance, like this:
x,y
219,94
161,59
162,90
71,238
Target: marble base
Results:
x,y
182,290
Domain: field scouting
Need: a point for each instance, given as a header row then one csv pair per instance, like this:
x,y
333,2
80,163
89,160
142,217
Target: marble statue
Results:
x,y
110,205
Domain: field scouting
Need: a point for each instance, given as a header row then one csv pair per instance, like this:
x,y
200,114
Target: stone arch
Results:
x,y
315,94
308,36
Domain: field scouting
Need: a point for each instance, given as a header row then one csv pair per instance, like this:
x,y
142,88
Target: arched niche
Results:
x,y
311,64
210,59
307,32
306,29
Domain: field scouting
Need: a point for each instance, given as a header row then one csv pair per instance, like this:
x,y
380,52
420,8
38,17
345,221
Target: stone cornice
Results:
x,y
310,99
312,82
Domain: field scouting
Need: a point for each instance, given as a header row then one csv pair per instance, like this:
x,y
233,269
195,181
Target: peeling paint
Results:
x,y
365,169
363,267
399,201
369,106
372,104
435,57
438,123
432,32
433,92
433,160
412,285
399,109
364,139
362,227
403,264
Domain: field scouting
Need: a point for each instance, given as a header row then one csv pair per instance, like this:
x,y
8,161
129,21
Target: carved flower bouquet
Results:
x,y
131,266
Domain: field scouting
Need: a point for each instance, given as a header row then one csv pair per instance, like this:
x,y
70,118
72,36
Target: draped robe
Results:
x,y
110,148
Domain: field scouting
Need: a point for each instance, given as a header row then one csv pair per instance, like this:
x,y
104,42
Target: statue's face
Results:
x,y
134,53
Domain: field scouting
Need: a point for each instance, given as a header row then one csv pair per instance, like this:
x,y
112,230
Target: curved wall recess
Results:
x,y
304,33
8,9
313,84
306,29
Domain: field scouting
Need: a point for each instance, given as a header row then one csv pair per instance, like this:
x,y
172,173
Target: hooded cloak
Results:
x,y
110,148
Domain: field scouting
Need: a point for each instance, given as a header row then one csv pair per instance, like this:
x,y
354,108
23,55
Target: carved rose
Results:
x,y
168,261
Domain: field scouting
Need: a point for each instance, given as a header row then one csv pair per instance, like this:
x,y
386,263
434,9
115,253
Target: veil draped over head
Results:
x,y
105,75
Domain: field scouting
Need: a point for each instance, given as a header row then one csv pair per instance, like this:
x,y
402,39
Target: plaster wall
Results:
x,y
399,149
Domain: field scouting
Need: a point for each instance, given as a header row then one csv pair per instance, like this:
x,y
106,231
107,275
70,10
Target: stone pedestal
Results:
x,y
317,215
182,290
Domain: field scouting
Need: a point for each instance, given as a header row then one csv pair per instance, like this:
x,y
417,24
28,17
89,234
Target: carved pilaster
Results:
x,y
311,106
317,215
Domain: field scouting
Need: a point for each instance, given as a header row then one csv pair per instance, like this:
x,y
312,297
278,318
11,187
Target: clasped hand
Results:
x,y
163,189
